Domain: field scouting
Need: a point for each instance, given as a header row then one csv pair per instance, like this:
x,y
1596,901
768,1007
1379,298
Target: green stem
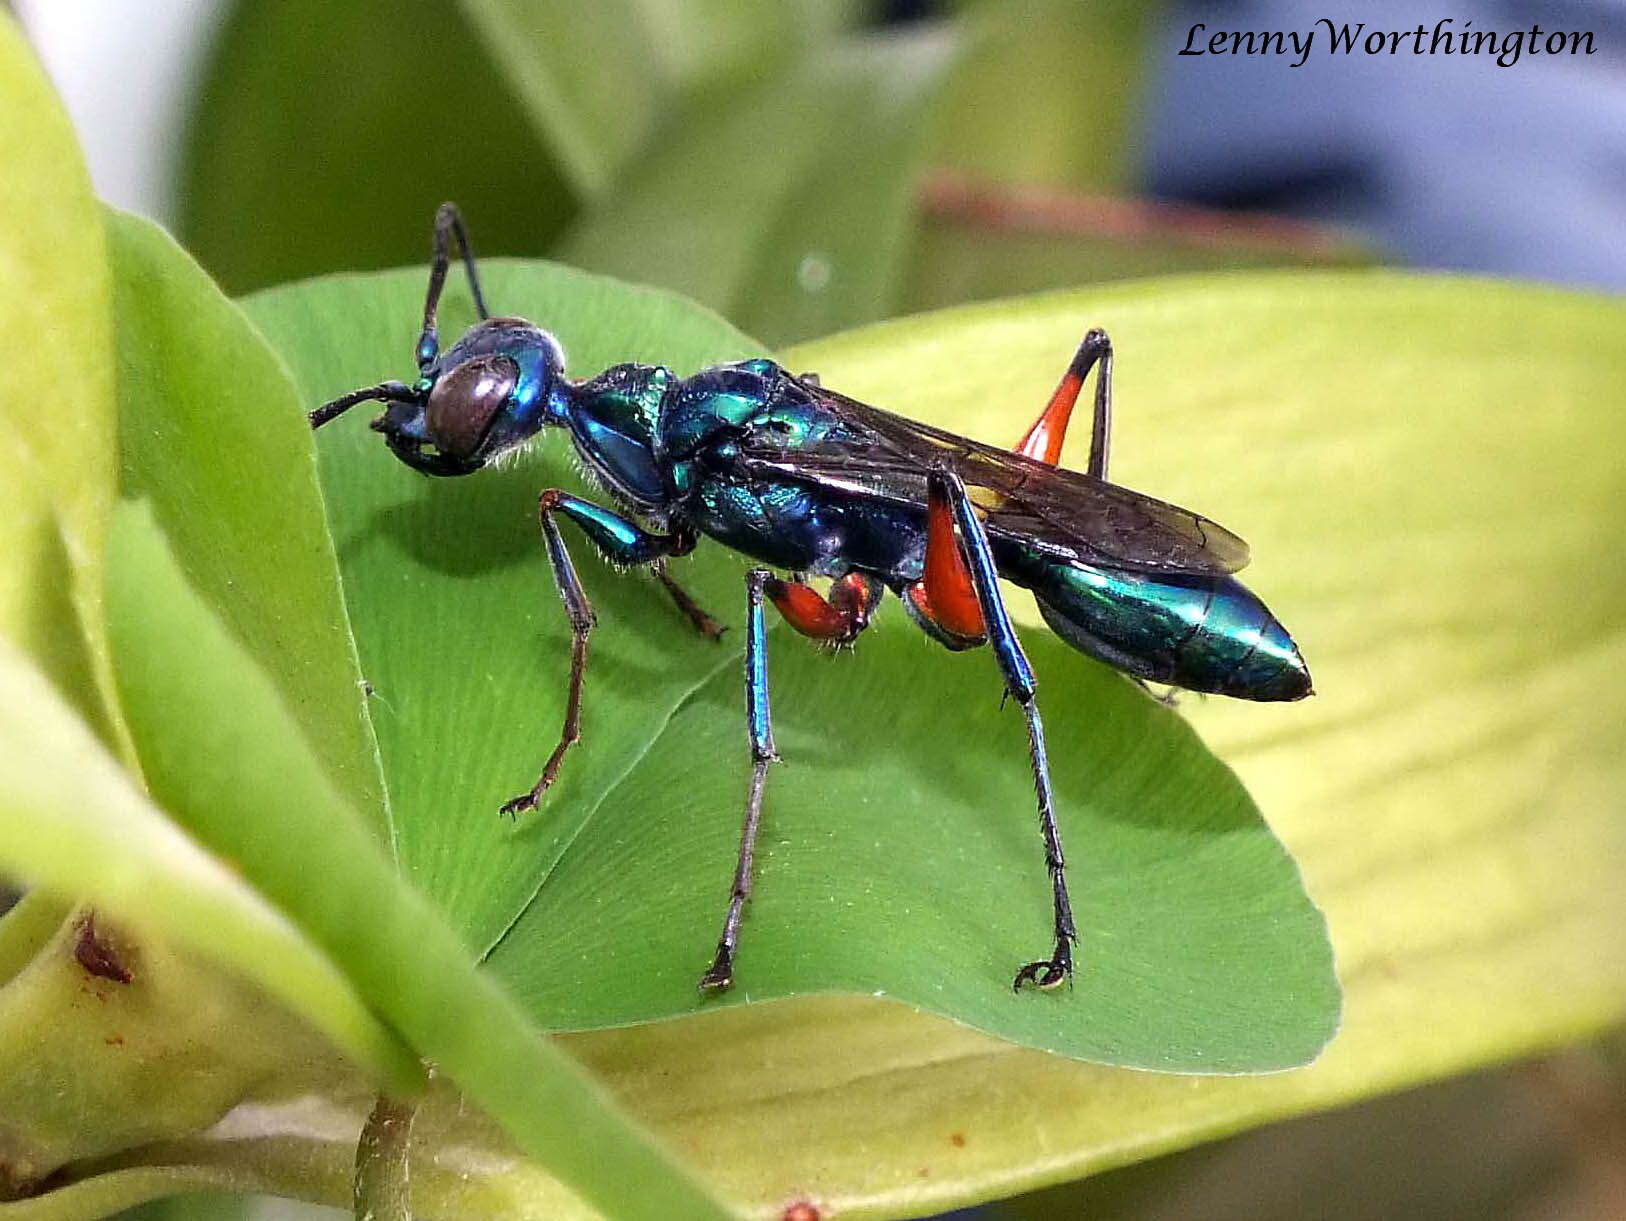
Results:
x,y
382,1189
26,928
111,1040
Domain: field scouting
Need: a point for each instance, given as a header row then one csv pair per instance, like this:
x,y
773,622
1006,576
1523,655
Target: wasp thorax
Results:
x,y
466,398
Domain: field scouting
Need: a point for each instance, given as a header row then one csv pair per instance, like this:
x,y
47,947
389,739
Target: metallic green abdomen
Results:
x,y
1200,633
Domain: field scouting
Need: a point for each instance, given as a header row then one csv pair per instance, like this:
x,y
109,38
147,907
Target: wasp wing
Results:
x,y
1065,513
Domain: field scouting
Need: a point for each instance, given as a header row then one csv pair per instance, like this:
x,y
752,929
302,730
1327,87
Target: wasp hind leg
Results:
x,y
835,620
960,596
759,724
1043,442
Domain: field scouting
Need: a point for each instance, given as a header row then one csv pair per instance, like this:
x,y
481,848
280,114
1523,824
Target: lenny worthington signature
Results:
x,y
1350,38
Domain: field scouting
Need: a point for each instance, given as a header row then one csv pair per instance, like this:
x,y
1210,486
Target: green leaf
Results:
x,y
323,136
1427,469
600,123
306,1151
25,927
212,435
786,203
104,1195
73,823
57,466
894,861
1050,93
222,754
899,861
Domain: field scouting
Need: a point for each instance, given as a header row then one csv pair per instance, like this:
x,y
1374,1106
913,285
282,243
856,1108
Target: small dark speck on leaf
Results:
x,y
97,956
957,1140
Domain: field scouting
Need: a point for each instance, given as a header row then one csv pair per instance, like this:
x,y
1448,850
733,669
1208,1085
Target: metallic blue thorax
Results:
x,y
614,420
666,443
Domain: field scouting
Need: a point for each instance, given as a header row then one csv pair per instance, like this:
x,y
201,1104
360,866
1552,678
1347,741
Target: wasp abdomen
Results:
x,y
1200,633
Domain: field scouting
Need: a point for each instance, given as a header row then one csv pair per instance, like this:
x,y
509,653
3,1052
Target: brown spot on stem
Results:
x,y
97,956
801,1211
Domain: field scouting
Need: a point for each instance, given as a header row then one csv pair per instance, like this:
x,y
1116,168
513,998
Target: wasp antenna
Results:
x,y
386,392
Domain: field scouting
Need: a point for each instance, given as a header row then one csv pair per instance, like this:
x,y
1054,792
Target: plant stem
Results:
x,y
382,1189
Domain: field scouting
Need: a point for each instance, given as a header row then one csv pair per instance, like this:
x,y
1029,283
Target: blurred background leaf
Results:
x,y
768,160
325,135
1051,94
978,241
593,78
206,1206
784,205
598,81
1539,1141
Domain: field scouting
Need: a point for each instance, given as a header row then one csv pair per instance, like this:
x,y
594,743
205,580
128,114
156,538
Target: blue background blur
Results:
x,y
1443,160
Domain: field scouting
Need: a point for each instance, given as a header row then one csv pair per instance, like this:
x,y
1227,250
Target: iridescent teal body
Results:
x,y
1201,633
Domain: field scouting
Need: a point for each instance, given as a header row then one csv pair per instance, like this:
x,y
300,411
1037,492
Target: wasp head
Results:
x,y
486,394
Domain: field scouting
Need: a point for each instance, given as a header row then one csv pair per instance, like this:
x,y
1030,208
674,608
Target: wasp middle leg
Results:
x,y
683,541
621,541
687,606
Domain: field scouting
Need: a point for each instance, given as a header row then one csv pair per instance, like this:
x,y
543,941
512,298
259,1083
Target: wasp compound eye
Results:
x,y
465,400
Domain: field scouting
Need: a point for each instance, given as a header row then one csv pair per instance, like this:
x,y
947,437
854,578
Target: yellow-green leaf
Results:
x,y
223,754
57,465
74,823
